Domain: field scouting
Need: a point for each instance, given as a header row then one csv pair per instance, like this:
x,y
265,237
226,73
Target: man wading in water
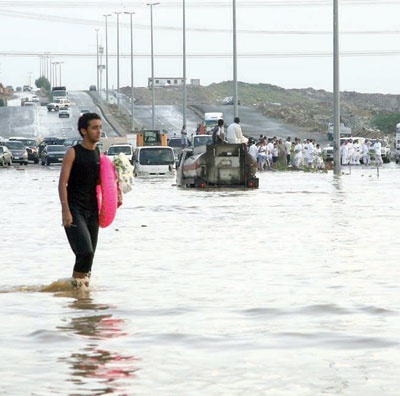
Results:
x,y
79,176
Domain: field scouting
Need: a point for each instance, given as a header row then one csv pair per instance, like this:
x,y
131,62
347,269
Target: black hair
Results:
x,y
237,120
84,120
220,122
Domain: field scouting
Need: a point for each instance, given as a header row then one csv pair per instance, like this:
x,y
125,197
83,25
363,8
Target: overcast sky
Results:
x,y
282,42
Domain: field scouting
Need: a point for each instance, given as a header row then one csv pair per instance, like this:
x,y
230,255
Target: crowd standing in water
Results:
x,y
273,152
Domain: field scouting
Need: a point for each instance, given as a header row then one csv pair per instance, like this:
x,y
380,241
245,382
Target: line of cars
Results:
x,y
22,150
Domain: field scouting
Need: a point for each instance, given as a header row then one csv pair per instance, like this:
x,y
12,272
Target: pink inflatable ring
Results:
x,y
107,192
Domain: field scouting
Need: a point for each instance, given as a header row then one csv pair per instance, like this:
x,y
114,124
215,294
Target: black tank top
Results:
x,y
84,177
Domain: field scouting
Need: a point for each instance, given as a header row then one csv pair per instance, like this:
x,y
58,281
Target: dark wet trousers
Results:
x,y
82,237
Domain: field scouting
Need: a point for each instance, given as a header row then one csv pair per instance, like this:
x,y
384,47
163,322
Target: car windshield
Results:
x,y
175,142
202,140
28,142
56,147
15,145
115,150
156,156
70,142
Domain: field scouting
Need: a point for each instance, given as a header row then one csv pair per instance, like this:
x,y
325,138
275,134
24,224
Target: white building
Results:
x,y
170,81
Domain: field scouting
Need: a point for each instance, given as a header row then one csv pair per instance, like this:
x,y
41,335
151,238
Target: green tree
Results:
x,y
43,82
387,122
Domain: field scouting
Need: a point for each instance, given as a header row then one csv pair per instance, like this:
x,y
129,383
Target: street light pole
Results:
x,y
153,119
184,64
60,63
97,57
101,67
235,87
55,73
106,17
117,13
132,88
336,91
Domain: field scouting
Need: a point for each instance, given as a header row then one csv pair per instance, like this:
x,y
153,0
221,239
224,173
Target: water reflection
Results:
x,y
93,367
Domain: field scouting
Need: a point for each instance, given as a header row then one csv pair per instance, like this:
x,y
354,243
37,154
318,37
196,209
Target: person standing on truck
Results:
x,y
218,135
184,138
234,133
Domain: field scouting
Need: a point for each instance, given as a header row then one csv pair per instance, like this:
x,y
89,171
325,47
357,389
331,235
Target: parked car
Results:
x,y
31,148
327,153
176,144
72,142
49,140
35,98
18,151
154,161
64,112
115,149
84,111
57,104
53,153
229,101
5,156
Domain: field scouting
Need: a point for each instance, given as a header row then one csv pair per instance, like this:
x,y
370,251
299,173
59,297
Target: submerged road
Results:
x,y
37,121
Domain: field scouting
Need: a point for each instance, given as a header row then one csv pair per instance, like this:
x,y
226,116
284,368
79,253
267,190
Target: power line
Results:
x,y
91,22
258,55
199,3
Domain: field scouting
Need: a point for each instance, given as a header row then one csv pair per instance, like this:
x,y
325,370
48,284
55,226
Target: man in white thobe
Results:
x,y
378,153
234,133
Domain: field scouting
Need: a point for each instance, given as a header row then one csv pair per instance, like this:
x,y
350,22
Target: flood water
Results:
x,y
288,290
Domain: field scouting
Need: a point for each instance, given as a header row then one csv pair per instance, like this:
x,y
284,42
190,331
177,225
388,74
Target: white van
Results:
x,y
116,149
154,161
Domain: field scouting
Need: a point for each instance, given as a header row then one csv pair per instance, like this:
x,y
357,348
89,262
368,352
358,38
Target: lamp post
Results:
x,y
235,88
46,65
106,17
54,73
153,120
184,63
60,63
336,92
51,71
117,13
132,89
97,58
101,67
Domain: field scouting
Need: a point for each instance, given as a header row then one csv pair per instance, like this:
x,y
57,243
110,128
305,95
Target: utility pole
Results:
x,y
153,115
132,89
97,58
184,64
106,17
336,91
118,104
235,87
